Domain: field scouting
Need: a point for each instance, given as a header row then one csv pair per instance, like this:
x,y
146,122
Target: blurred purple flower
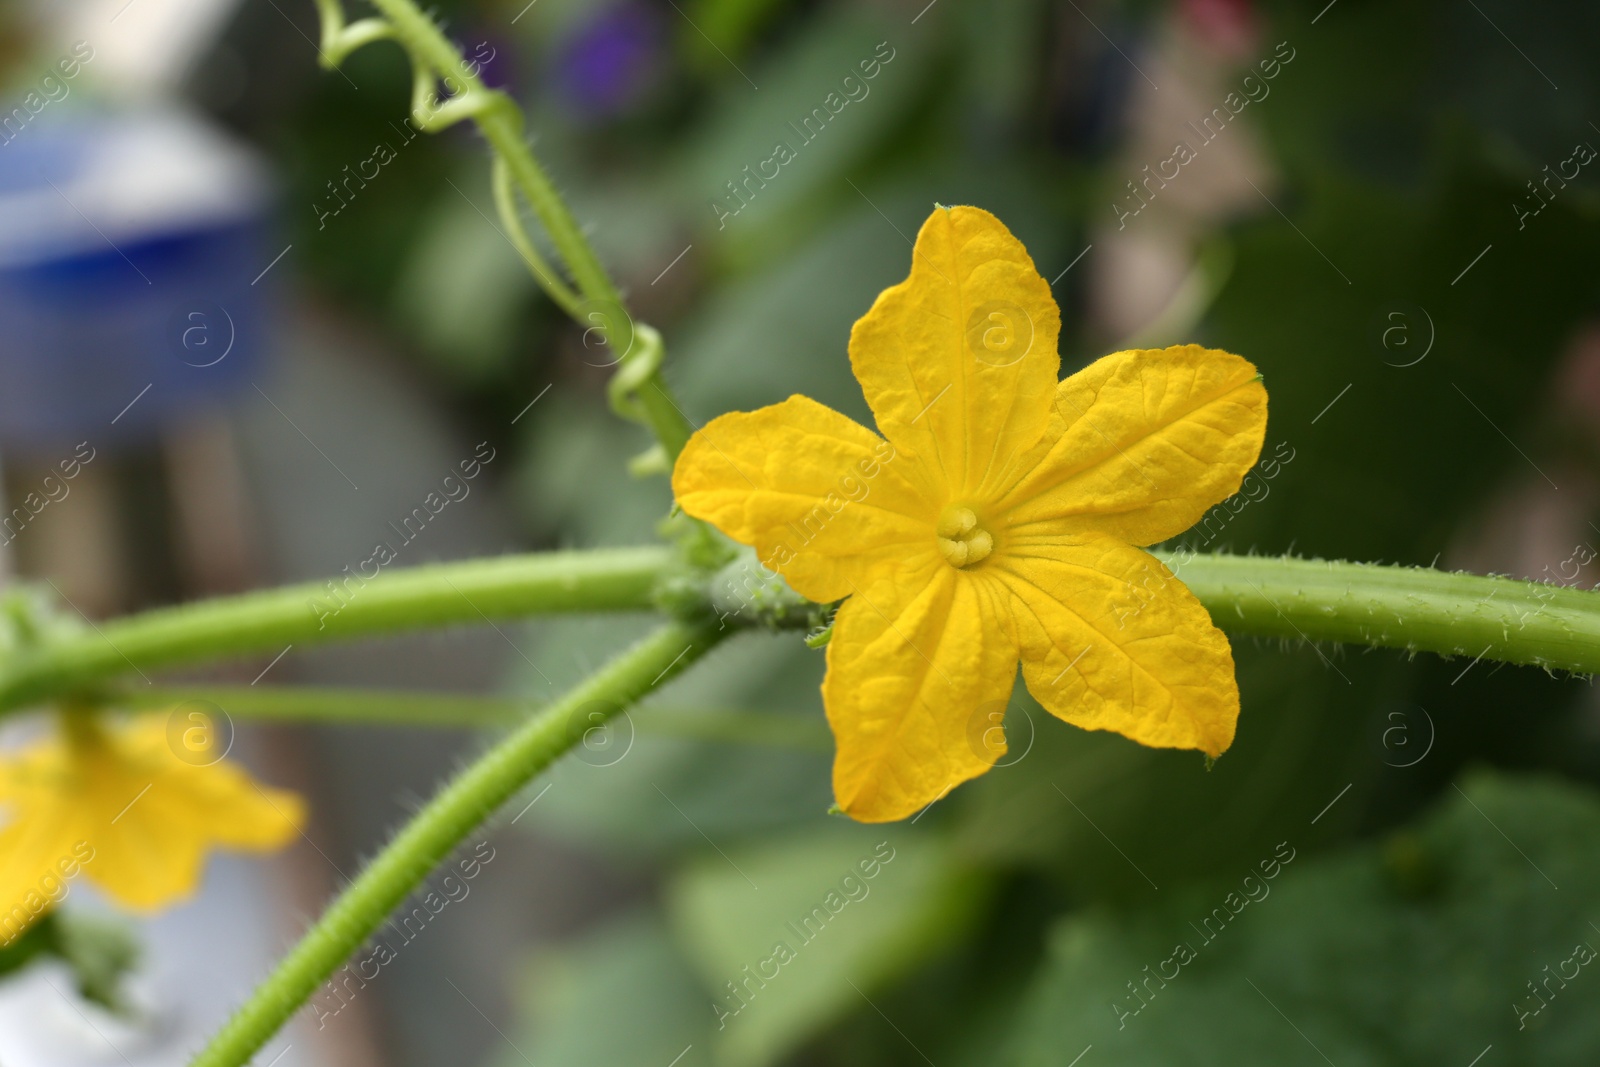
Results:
x,y
490,59
612,60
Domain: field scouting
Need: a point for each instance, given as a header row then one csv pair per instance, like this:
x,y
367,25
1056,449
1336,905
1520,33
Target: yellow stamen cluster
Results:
x,y
962,541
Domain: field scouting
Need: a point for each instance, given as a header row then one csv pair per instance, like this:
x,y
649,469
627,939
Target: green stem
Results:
x,y
408,708
1410,608
1392,607
441,826
502,126
473,592
505,202
344,706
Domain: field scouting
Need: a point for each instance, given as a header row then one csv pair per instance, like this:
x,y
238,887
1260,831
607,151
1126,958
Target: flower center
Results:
x,y
962,541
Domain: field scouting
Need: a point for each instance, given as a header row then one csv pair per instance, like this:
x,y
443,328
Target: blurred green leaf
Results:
x,y
100,954
573,480
1418,950
463,290
619,996
1433,58
653,793
720,28
795,935
1108,819
1372,478
818,70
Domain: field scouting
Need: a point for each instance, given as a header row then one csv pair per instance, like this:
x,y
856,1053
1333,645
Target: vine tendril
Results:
x,y
637,392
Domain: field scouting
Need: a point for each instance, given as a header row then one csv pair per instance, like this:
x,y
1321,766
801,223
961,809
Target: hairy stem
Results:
x,y
446,821
1410,608
1418,610
445,594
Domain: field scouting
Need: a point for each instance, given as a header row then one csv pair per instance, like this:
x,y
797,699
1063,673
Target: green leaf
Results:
x,y
818,76
100,953
795,936
1415,950
646,790
463,289
619,996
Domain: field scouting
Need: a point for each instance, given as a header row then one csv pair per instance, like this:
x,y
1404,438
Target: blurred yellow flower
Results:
x,y
995,520
119,806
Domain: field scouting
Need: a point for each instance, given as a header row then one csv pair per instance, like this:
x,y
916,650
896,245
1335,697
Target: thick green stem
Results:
x,y
1393,607
447,820
438,595
1410,608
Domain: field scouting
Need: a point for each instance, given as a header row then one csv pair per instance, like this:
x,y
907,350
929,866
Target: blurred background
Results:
x,y
259,318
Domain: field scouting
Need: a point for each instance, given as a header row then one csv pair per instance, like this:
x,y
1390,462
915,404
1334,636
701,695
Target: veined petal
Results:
x,y
958,362
918,666
1142,443
820,497
1111,640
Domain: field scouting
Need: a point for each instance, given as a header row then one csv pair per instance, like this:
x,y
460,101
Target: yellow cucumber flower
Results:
x,y
118,807
995,520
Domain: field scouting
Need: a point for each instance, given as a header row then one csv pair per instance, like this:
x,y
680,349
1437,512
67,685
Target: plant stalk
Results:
x,y
1411,608
438,595
443,824
1418,610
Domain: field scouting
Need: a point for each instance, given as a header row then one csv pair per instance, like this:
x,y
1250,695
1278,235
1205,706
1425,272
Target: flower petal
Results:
x,y
1111,640
1142,443
918,666
161,816
959,360
155,855
819,496
35,851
